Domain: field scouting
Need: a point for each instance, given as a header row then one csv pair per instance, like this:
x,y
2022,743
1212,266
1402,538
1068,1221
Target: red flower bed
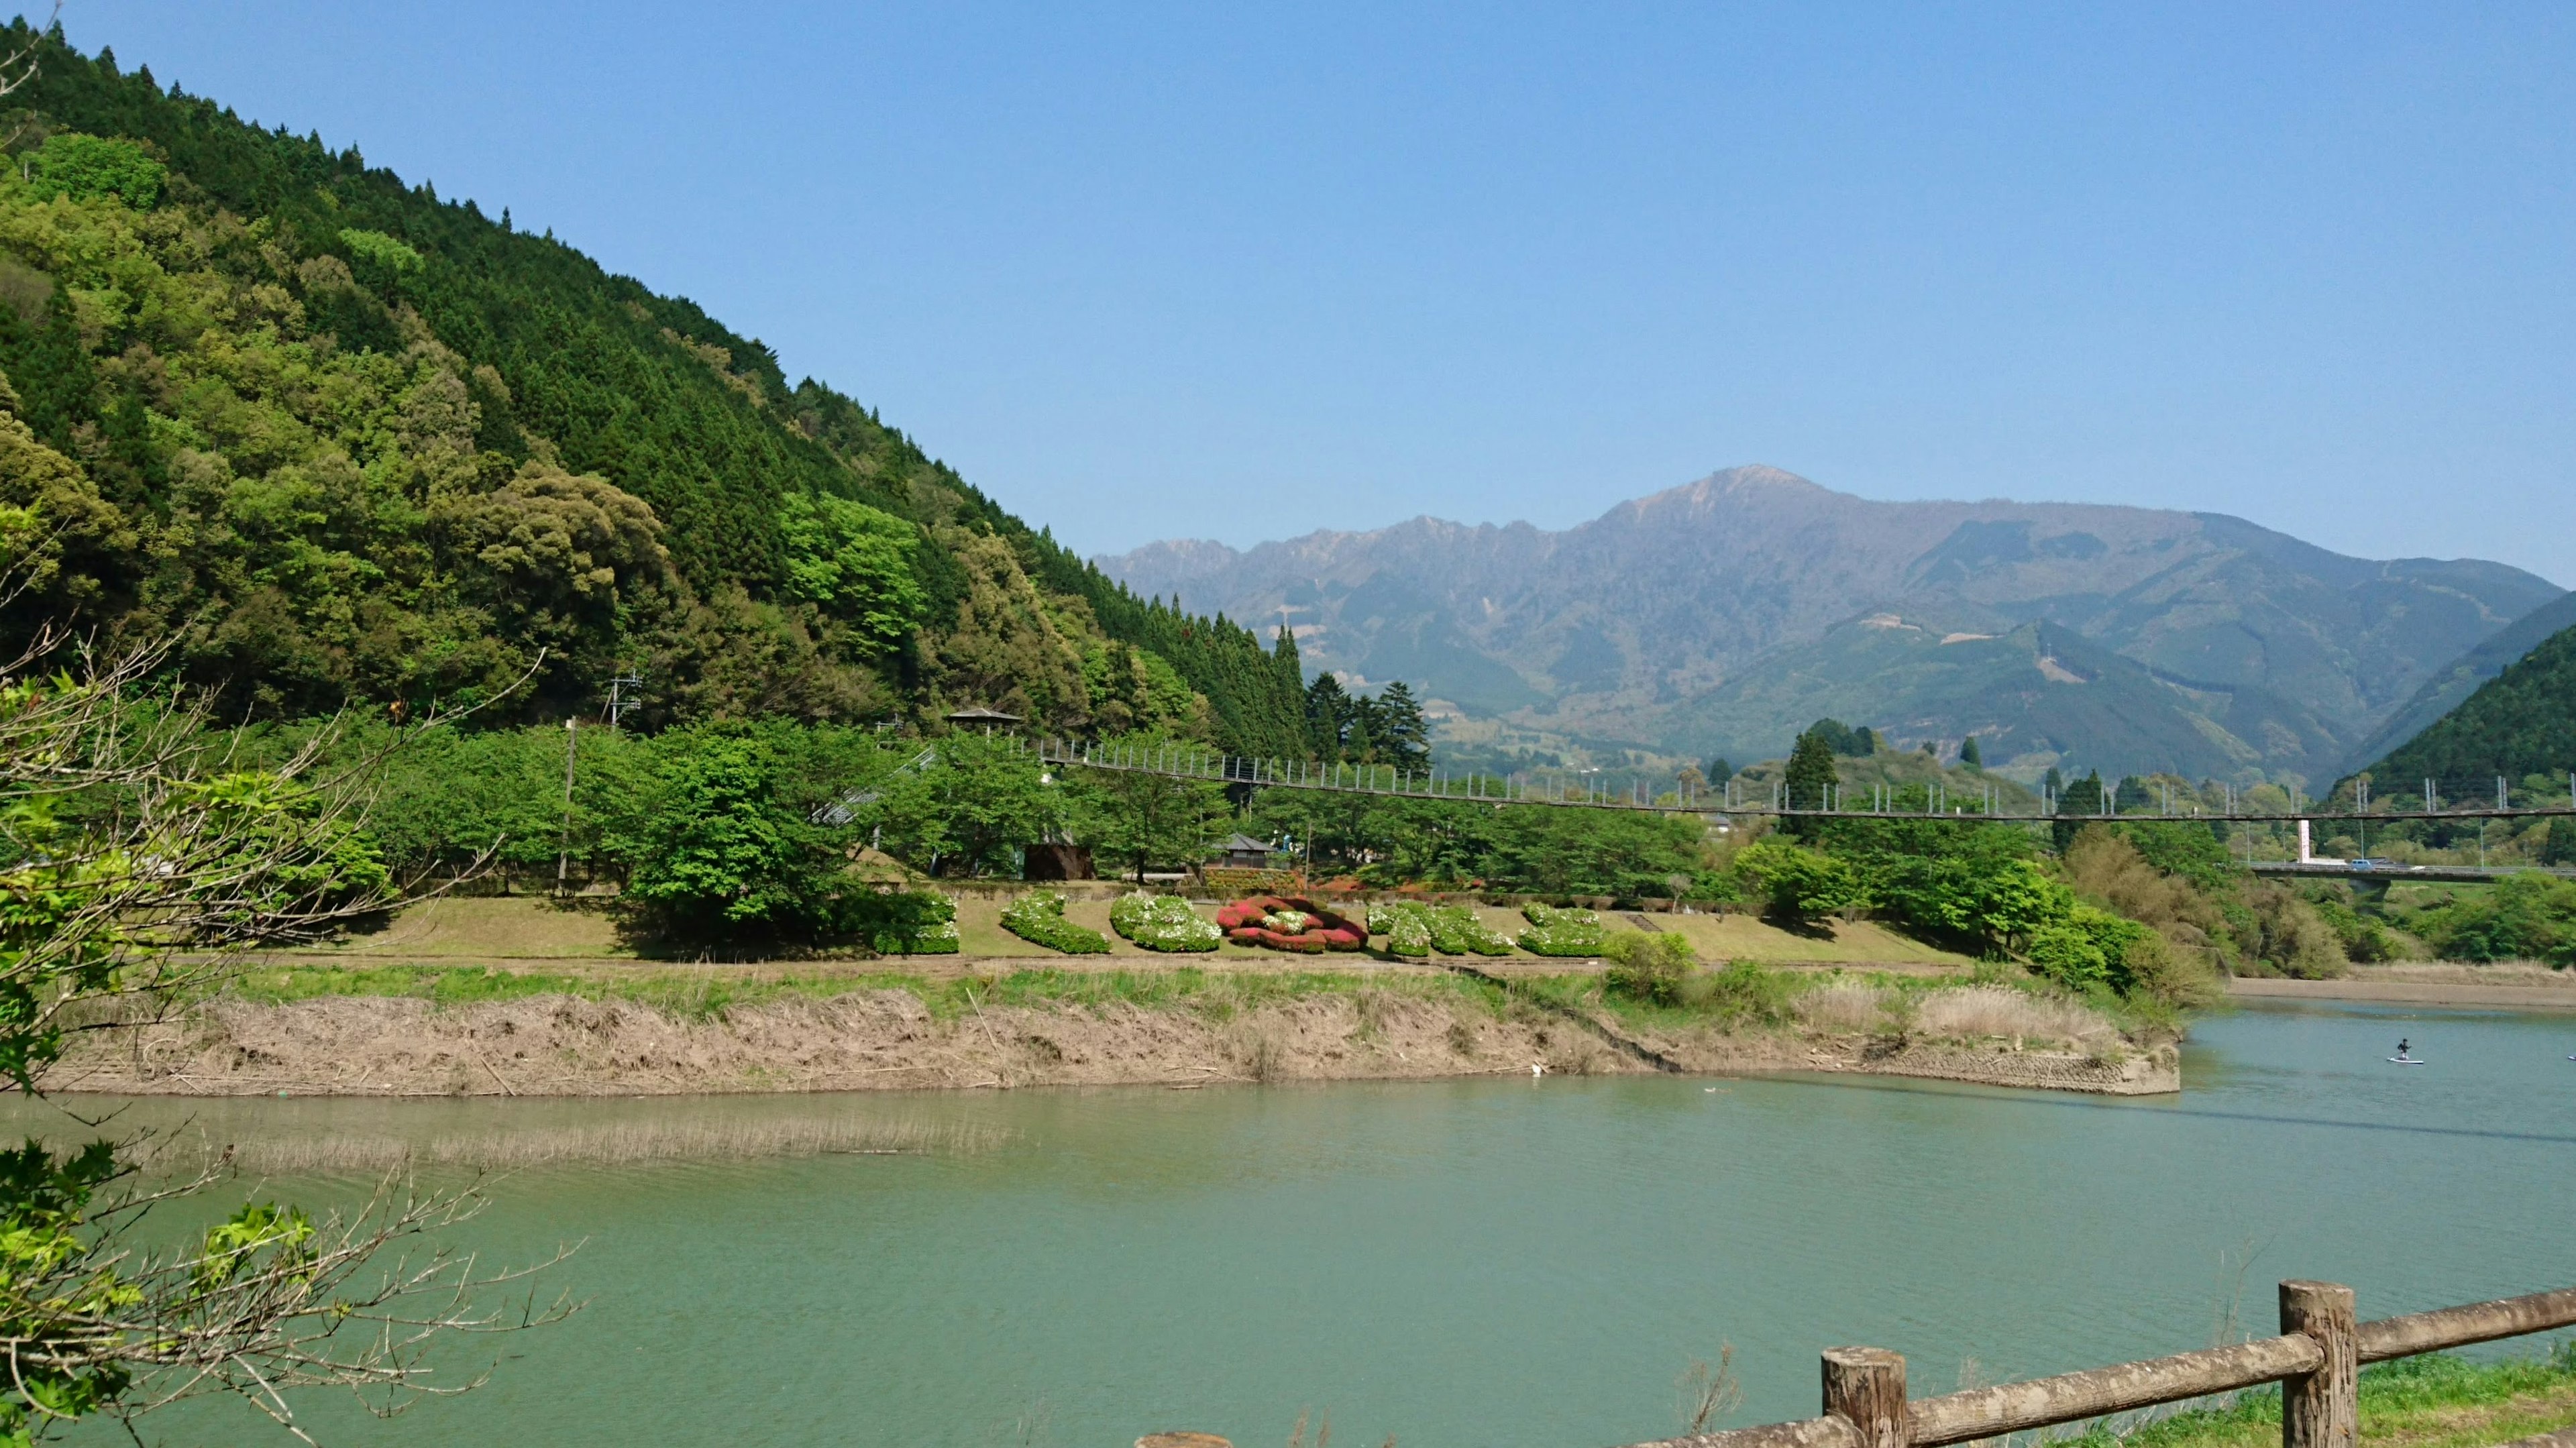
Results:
x,y
1245,923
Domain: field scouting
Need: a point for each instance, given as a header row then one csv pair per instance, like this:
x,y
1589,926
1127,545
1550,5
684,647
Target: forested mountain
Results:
x,y
2451,686
2522,722
338,442
1726,615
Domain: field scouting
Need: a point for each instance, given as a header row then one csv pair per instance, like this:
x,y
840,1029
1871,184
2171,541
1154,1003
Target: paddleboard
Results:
x,y
2411,1061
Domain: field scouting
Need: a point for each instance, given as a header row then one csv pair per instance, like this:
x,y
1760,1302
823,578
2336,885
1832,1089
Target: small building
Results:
x,y
981,718
1243,852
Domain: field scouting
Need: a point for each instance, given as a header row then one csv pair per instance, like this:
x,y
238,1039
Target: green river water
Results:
x,y
1504,1261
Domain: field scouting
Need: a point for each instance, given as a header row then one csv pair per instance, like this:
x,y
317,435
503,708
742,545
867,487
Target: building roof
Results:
x,y
1245,845
981,715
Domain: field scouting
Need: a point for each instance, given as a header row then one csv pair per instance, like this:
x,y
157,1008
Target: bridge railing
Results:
x,y
1934,800
2316,1360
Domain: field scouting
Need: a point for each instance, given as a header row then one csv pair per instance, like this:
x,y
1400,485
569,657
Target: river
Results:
x,y
1502,1261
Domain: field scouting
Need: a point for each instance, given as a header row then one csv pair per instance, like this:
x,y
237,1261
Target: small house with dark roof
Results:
x,y
1245,852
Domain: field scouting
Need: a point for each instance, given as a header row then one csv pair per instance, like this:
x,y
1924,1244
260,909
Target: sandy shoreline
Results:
x,y
2403,992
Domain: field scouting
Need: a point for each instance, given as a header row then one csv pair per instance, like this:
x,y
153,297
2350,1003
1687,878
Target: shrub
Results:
x,y
2364,938
1292,923
1798,883
1039,919
2521,917
1163,922
1648,966
2089,948
1562,932
1741,994
1449,929
2287,935
906,922
1407,934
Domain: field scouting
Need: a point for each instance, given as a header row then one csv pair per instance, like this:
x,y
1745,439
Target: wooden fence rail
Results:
x,y
2316,1360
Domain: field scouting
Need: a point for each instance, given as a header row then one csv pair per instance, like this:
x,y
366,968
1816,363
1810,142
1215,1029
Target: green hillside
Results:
x,y
2037,697
2521,722
341,443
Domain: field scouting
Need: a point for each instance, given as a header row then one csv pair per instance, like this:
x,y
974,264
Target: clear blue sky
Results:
x,y
1240,272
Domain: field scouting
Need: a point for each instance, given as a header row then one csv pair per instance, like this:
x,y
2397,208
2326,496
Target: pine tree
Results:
x,y
2082,798
1397,727
1328,716
1812,777
1970,755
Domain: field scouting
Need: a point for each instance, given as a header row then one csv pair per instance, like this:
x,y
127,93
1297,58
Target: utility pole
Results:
x,y
563,847
618,702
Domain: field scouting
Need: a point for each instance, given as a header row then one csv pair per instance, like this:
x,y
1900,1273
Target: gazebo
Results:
x,y
980,717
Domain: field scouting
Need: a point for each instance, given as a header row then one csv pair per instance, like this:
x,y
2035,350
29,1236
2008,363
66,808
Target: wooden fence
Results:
x,y
2316,1360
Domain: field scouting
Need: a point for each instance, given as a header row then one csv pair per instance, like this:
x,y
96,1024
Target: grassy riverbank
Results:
x,y
2436,1401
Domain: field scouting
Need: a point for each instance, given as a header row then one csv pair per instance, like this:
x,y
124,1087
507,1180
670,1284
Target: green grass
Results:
x,y
703,993
2438,1400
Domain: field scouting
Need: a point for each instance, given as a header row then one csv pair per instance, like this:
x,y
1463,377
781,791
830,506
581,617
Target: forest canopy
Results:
x,y
339,442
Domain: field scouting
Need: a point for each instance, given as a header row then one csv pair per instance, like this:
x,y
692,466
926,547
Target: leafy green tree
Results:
x,y
855,561
2524,916
1800,884
1148,819
90,168
1970,754
716,851
972,806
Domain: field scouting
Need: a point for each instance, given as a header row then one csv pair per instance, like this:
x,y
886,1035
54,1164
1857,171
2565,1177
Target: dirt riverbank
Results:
x,y
564,1045
2428,983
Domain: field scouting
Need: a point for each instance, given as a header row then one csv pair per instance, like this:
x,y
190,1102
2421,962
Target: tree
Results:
x,y
971,807
855,561
136,863
2077,802
716,853
1800,884
1328,716
1397,730
1970,755
1812,776
1719,772
1148,818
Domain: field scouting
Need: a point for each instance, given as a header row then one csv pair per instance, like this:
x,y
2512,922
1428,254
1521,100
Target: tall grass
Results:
x,y
704,993
2439,1400
501,1146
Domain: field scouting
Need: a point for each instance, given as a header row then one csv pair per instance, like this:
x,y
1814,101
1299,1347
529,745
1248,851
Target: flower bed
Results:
x,y
1449,929
1290,923
1562,932
906,922
1162,922
1039,919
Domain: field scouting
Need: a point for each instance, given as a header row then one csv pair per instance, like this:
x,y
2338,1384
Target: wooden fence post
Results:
x,y
2322,1409
1865,1387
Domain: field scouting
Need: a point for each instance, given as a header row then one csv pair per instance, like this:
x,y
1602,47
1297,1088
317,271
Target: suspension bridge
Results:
x,y
1939,801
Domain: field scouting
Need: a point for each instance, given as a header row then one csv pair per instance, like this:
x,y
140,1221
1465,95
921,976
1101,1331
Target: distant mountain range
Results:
x,y
1723,616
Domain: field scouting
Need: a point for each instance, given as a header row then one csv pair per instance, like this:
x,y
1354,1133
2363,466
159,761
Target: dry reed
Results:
x,y
1843,1006
1997,1010
608,1144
